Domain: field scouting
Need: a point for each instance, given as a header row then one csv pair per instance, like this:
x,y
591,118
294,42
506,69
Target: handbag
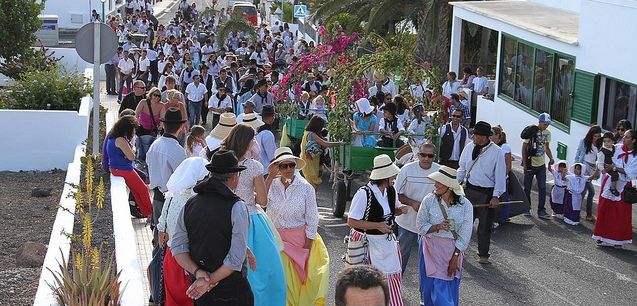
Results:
x,y
357,251
630,194
156,277
141,131
312,149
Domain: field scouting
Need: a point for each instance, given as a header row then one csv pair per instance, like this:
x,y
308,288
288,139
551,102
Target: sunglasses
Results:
x,y
430,155
156,95
621,129
287,166
141,87
456,116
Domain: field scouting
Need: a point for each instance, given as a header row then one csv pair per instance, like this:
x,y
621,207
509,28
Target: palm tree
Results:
x,y
430,18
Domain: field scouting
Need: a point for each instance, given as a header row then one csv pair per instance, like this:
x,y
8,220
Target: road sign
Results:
x,y
85,46
300,11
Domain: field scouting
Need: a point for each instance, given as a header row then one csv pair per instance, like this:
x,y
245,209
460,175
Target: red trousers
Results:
x,y
138,188
176,282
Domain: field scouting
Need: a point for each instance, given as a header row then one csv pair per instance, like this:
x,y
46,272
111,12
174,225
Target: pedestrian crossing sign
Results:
x,y
300,11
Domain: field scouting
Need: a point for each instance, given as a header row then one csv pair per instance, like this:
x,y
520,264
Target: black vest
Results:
x,y
207,217
447,141
227,83
376,213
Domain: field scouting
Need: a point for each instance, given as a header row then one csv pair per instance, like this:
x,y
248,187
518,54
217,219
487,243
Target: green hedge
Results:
x,y
46,89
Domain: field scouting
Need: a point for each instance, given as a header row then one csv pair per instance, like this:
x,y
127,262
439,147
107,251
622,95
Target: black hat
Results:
x,y
224,161
482,128
173,115
267,110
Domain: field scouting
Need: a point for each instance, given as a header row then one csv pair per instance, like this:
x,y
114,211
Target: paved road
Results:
x,y
534,262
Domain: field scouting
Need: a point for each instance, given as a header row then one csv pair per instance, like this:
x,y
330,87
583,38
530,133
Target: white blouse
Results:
x,y
430,214
293,207
170,212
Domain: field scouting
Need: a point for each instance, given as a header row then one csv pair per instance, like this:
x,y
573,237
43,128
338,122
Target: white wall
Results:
x,y
570,5
49,139
516,120
608,47
64,9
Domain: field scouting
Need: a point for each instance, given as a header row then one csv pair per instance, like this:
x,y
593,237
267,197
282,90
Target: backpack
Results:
x,y
530,133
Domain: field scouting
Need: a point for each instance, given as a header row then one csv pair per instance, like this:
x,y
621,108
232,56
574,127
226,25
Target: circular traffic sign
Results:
x,y
84,44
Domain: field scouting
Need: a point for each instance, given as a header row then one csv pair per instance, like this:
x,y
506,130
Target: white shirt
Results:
x,y
480,84
196,93
359,202
206,49
126,65
413,183
416,128
144,64
461,214
163,157
381,125
489,171
449,88
216,103
293,207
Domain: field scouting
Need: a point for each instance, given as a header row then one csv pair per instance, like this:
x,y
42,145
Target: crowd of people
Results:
x,y
259,244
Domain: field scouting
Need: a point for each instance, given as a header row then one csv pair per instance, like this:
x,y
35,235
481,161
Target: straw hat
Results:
x,y
285,153
252,120
226,122
447,176
384,168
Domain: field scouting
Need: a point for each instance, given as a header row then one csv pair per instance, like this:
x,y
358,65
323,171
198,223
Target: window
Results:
x,y
539,79
478,48
620,100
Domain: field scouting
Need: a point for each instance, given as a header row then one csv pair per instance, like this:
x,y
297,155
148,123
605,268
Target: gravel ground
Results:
x,y
24,218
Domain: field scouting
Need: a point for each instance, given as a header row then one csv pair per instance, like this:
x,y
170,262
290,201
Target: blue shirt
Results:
x,y
116,157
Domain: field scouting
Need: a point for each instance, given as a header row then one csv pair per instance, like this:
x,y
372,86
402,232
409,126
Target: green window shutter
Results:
x,y
585,97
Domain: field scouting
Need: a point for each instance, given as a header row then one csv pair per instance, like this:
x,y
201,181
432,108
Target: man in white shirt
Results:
x,y
195,93
248,108
219,103
125,68
480,83
143,65
206,51
453,138
412,186
265,137
483,168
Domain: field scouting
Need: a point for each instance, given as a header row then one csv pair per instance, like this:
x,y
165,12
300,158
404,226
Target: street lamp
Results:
x,y
103,15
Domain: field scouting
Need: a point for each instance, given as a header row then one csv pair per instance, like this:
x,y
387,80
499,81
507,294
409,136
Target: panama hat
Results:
x,y
226,122
252,120
447,176
285,153
384,168
224,161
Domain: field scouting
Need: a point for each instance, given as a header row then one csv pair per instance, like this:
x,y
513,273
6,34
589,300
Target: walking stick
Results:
x,y
501,203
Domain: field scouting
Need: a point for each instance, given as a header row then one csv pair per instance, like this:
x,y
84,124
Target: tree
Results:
x,y
18,21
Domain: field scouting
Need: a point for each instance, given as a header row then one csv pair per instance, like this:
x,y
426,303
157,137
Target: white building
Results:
x,y
573,59
73,14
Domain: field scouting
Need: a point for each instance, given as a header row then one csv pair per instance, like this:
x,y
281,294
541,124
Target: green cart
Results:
x,y
347,161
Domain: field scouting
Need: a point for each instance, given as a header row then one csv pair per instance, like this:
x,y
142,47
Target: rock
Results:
x,y
30,254
39,192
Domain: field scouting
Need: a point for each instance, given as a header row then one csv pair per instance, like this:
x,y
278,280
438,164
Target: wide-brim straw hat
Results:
x,y
252,120
226,122
285,153
448,177
384,168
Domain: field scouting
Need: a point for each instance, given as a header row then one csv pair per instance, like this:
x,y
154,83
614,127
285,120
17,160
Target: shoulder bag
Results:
x,y
357,250
141,131
312,149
